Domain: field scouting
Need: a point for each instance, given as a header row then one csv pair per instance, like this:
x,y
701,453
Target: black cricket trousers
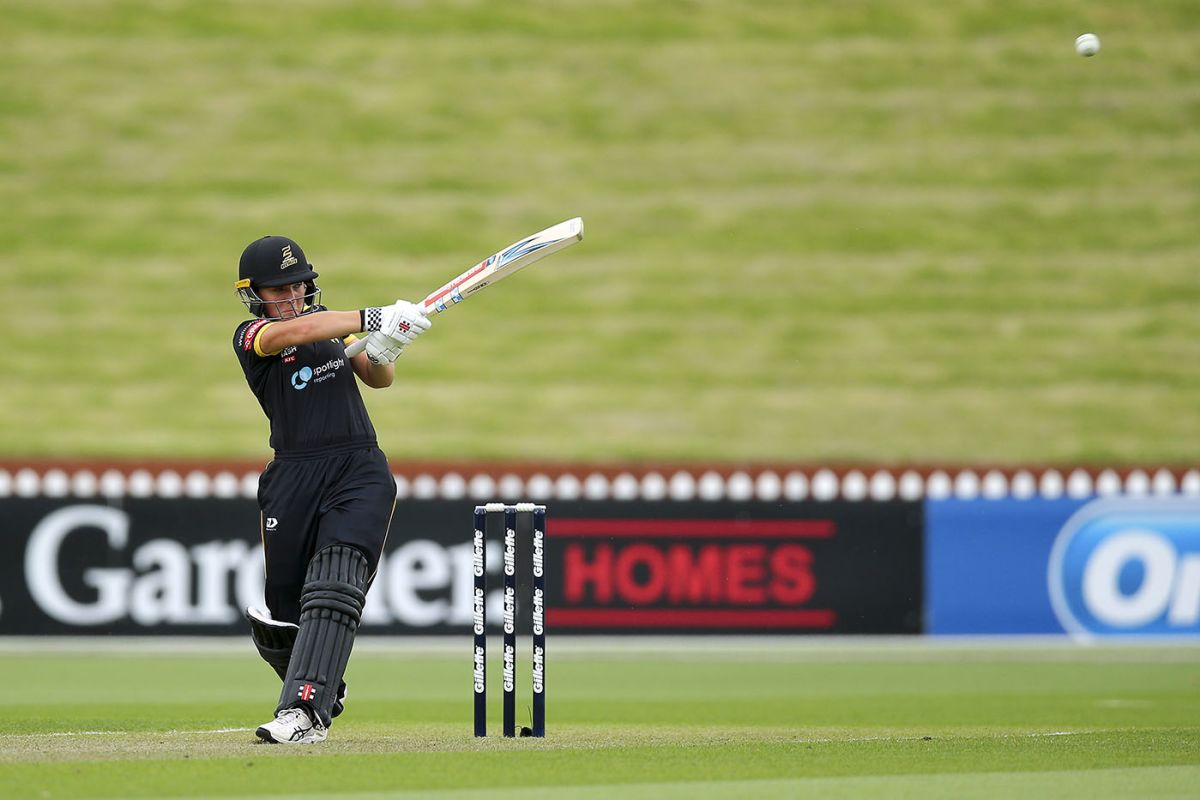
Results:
x,y
311,503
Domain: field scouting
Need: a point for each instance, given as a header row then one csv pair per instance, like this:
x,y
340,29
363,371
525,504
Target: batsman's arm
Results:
x,y
308,328
276,336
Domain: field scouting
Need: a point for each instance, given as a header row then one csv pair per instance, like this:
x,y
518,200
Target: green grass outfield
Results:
x,y
702,718
873,229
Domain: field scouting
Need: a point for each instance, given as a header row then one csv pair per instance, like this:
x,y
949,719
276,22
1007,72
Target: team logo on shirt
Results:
x,y
301,377
305,375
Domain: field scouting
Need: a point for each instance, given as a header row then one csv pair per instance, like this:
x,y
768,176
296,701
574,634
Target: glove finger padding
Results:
x,y
404,318
383,349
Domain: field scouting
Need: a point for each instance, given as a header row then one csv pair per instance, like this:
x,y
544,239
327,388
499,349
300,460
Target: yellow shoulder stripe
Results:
x,y
258,338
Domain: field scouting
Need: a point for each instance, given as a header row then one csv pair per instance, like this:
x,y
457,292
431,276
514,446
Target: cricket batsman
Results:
x,y
327,497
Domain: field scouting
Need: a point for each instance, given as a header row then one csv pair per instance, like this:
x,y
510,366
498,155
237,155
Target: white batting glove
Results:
x,y
383,349
402,321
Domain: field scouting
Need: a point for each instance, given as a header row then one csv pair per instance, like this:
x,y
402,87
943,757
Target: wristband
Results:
x,y
371,319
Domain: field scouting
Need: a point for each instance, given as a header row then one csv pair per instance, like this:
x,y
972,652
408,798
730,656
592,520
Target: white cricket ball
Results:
x,y
1087,44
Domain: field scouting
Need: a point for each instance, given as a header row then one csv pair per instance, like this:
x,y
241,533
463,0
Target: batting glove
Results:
x,y
383,349
402,320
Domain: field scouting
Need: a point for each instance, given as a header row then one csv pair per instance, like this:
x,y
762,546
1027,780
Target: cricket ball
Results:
x,y
1087,44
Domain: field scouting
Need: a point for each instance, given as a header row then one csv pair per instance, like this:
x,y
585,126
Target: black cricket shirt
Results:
x,y
308,392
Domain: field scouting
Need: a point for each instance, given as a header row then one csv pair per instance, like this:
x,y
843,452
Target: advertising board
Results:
x,y
1094,567
138,566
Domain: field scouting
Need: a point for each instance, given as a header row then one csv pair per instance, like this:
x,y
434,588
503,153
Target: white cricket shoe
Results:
x,y
293,726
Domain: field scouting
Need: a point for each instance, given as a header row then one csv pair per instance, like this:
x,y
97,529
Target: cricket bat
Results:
x,y
496,268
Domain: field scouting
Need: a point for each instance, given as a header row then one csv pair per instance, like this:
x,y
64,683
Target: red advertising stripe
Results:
x,y
693,528
749,618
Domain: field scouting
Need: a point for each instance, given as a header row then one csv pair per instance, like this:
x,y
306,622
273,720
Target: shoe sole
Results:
x,y
265,735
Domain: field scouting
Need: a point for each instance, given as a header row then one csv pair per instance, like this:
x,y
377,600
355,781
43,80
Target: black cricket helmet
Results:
x,y
274,261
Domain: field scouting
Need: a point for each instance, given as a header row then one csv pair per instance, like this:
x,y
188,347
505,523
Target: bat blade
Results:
x,y
508,261
496,268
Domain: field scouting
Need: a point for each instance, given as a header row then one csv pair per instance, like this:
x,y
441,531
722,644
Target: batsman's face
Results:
x,y
283,302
